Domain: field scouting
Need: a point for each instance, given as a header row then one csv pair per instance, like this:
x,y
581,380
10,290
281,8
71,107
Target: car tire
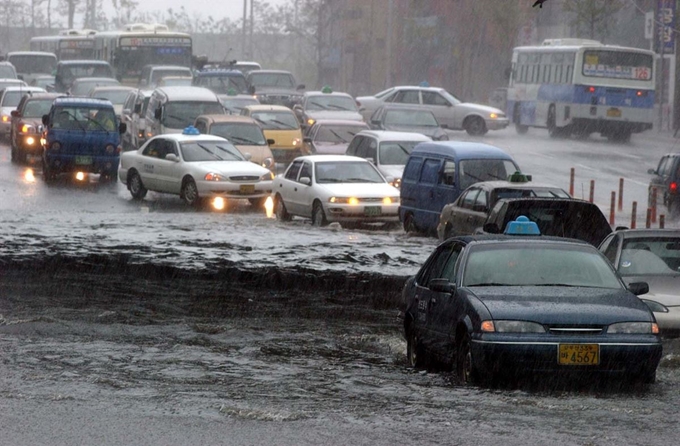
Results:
x,y
280,210
415,355
466,369
136,187
475,126
189,193
620,137
257,202
410,225
49,175
318,215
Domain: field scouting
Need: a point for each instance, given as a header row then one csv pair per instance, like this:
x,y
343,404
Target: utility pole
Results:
x,y
662,43
252,25
296,22
243,37
390,24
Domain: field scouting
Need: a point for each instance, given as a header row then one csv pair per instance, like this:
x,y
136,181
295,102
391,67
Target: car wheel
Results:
x,y
415,355
318,216
519,128
136,187
410,225
281,211
466,370
257,202
190,193
48,174
475,126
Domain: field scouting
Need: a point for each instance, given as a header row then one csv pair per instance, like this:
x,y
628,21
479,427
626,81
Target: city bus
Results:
x,y
574,86
129,50
67,45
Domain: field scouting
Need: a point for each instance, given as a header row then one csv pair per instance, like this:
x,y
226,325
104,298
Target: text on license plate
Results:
x,y
372,210
579,354
83,160
247,189
614,113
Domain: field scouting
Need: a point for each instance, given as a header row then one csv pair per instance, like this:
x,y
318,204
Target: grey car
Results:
x,y
398,118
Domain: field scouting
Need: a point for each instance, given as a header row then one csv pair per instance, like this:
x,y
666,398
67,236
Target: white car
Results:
x,y
335,188
9,99
452,113
196,167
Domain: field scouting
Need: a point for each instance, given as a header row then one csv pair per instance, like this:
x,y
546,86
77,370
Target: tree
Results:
x,y
594,17
68,7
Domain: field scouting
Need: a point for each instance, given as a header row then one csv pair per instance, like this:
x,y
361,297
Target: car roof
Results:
x,y
168,67
113,88
228,118
83,62
77,100
180,137
333,93
500,184
647,233
22,88
215,72
270,72
82,80
461,150
187,93
335,158
490,239
387,135
30,53
265,107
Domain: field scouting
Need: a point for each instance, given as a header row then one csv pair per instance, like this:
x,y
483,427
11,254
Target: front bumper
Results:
x,y
66,163
29,143
228,189
365,213
497,124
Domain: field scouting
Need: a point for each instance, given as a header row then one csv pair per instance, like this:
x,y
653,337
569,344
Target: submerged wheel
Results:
x,y
281,211
466,369
415,355
190,193
136,187
48,174
410,224
475,126
318,215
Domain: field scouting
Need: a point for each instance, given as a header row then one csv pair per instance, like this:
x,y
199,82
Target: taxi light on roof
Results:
x,y
519,177
191,130
425,84
522,226
326,89
488,327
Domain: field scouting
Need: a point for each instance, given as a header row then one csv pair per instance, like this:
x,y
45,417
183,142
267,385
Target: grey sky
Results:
x,y
218,9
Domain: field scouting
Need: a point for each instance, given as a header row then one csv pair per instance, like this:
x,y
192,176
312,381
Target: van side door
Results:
x,y
444,191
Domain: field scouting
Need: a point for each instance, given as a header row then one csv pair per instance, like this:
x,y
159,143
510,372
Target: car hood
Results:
x,y
359,190
257,153
329,148
662,289
482,109
395,171
562,306
276,91
230,168
348,115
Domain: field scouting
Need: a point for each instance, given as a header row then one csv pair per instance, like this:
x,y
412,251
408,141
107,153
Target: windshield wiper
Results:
x,y
98,123
276,121
245,140
337,135
338,107
210,151
177,118
75,118
230,152
323,107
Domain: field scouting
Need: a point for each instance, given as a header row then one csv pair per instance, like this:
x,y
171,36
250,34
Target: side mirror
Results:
x,y
271,142
126,112
45,119
638,288
172,157
442,286
248,156
158,113
251,89
491,228
301,87
651,171
15,114
306,181
122,128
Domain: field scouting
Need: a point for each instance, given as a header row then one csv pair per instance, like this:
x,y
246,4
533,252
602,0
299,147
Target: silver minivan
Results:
x,y
172,109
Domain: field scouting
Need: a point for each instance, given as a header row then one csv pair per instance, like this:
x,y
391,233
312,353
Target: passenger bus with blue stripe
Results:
x,y
575,86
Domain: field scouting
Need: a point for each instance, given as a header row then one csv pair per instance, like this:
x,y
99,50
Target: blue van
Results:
x,y
81,135
437,172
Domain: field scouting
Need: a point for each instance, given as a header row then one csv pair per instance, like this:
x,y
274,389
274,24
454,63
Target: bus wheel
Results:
x,y
553,130
521,129
622,136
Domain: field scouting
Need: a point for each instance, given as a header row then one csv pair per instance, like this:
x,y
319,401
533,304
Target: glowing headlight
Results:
x,y
655,306
390,200
214,177
310,122
30,140
344,200
634,327
5,118
27,129
518,327
267,177
296,142
493,116
396,183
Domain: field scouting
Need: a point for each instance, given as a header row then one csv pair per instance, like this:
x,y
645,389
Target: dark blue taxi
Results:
x,y
493,306
81,136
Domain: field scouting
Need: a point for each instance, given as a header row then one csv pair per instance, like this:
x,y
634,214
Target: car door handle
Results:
x,y
295,189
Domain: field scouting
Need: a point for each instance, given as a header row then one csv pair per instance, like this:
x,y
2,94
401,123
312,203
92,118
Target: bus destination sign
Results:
x,y
155,41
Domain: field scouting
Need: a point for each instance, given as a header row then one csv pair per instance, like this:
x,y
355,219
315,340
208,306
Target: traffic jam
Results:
x,y
525,280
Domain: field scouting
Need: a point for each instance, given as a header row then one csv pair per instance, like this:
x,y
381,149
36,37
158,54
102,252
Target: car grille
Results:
x,y
371,200
248,178
576,331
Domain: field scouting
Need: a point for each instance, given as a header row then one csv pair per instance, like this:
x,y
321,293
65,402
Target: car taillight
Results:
x,y
640,93
590,89
673,187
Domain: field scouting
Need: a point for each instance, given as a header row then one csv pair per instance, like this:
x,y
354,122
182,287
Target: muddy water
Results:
x,y
318,354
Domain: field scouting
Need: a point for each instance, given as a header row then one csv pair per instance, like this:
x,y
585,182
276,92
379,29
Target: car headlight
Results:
x,y
214,177
390,200
267,177
344,200
396,183
518,327
296,142
5,118
634,327
27,129
267,163
655,306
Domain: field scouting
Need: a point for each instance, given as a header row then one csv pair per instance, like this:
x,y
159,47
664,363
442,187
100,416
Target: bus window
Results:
x,y
570,72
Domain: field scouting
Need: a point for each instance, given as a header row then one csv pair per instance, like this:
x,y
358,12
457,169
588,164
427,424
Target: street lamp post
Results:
x,y
243,38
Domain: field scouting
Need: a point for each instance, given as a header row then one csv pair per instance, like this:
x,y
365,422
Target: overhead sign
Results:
x,y
665,36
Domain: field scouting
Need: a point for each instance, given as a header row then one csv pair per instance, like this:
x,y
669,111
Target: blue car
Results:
x,y
499,306
81,135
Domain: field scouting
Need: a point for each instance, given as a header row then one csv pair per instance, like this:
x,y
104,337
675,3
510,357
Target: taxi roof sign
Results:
x,y
327,89
191,130
519,177
231,92
522,226
425,84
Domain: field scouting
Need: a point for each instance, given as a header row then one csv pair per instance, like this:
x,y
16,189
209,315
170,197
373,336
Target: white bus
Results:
x,y
129,50
582,87
67,45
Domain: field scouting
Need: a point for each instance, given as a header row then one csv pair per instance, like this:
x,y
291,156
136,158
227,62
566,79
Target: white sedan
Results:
x,y
333,188
196,167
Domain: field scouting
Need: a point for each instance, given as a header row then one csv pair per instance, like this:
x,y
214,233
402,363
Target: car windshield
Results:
x,y
36,108
210,151
278,80
175,81
222,84
475,170
337,134
240,133
84,118
235,105
178,115
157,75
650,256
346,172
541,264
395,152
410,118
276,120
115,96
77,71
12,98
82,88
543,192
330,102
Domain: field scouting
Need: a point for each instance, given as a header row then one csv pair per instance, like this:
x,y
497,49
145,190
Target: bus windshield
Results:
x,y
34,63
131,60
617,65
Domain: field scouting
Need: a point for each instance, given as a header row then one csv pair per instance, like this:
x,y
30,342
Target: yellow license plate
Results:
x,y
247,189
614,113
579,354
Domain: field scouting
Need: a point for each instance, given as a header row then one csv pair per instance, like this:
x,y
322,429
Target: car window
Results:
x,y
240,133
395,152
353,146
210,151
412,168
650,256
371,149
451,267
480,202
36,108
469,199
292,172
476,170
306,170
433,98
661,170
609,247
362,148
328,172
436,266
407,97
202,127
430,171
448,176
152,149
